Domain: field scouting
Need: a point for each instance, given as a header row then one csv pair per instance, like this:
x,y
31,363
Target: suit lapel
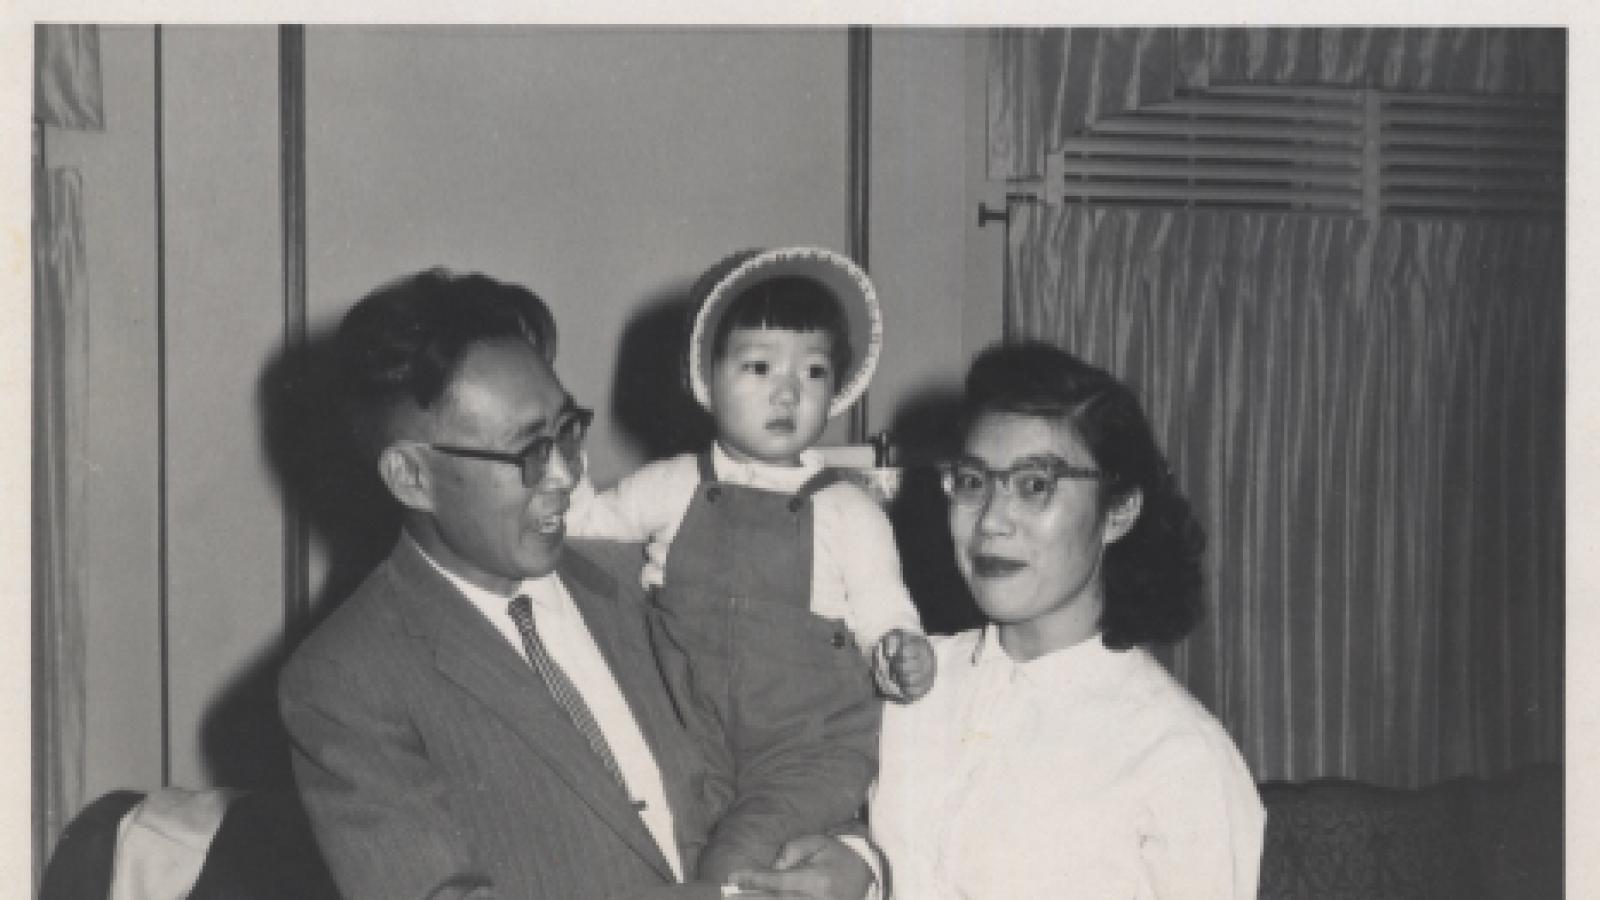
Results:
x,y
469,651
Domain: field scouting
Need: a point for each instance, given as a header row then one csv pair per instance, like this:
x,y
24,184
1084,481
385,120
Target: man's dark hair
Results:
x,y
401,344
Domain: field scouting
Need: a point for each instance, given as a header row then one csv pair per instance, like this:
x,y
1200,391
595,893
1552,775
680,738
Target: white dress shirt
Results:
x,y
570,645
1084,773
855,564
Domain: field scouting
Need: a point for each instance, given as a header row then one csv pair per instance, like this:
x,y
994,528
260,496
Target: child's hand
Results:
x,y
654,573
904,665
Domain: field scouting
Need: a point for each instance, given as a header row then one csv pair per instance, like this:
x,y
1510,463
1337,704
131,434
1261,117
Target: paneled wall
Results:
x,y
223,316
121,464
604,169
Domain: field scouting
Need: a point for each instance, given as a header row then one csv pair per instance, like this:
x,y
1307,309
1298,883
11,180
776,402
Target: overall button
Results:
x,y
795,505
714,493
840,639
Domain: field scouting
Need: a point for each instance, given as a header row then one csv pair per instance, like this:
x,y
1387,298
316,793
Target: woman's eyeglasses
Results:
x,y
567,438
969,482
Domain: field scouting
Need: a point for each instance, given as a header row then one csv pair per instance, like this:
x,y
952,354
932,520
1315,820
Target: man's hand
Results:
x,y
904,665
811,867
693,891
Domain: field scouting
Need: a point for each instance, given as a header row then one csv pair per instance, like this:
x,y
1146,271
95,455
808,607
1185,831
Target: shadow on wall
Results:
x,y
649,401
242,740
925,430
351,519
351,516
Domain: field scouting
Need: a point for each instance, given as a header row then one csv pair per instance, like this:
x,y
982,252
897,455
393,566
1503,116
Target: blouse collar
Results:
x,y
1087,660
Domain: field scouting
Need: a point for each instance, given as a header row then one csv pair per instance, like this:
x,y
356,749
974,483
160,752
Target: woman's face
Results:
x,y
1033,568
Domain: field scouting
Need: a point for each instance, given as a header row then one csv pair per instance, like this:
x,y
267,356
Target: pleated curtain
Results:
x,y
1046,84
1369,417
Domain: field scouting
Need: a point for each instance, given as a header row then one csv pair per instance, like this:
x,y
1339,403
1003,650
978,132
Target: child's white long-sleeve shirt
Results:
x,y
855,565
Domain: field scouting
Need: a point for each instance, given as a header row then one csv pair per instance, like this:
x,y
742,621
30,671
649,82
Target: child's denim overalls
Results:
x,y
780,699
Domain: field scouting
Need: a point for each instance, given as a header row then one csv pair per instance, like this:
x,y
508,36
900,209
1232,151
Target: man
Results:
x,y
482,717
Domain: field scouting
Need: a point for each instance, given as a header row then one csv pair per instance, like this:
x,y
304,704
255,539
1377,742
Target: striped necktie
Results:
x,y
562,688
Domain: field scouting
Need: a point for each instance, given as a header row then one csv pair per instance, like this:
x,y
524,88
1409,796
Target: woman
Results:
x,y
1055,757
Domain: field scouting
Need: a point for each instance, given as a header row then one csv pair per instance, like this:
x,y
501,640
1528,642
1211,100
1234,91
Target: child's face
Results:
x,y
770,391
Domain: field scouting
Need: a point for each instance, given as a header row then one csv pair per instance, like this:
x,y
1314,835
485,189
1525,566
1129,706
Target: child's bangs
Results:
x,y
790,303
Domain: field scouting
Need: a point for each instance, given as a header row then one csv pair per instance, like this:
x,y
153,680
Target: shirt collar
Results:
x,y
764,475
1087,659
535,588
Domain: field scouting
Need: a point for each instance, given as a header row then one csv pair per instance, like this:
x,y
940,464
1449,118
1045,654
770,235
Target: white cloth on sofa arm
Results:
x,y
162,843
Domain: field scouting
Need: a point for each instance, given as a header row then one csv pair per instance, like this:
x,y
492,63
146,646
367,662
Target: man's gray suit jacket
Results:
x,y
434,763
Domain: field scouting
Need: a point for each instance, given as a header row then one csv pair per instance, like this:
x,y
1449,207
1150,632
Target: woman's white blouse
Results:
x,y
1085,773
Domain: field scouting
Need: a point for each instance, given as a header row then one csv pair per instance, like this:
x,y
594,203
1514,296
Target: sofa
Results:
x,y
1466,838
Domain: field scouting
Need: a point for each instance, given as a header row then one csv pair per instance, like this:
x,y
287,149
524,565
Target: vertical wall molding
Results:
x,y
860,131
163,532
292,120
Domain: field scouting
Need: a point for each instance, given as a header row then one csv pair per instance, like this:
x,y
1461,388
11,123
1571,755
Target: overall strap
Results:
x,y
823,479
708,471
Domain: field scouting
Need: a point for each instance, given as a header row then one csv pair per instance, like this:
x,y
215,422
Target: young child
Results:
x,y
777,571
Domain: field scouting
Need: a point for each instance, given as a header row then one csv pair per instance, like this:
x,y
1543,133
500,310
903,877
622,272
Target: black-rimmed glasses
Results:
x,y
567,437
969,482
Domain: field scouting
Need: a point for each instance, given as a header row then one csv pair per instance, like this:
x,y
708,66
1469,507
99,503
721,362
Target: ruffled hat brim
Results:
x,y
729,278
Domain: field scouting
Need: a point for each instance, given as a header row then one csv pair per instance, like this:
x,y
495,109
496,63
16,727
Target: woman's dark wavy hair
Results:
x,y
401,344
1152,574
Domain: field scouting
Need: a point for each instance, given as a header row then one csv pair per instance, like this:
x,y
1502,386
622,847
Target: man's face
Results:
x,y
484,523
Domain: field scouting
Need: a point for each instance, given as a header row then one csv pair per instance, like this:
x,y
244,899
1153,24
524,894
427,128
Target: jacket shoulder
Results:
x,y
361,624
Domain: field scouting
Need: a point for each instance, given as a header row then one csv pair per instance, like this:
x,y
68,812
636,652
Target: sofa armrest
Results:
x,y
1345,839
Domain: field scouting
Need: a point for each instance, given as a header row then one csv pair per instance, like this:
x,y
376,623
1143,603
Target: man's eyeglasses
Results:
x,y
969,482
567,438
